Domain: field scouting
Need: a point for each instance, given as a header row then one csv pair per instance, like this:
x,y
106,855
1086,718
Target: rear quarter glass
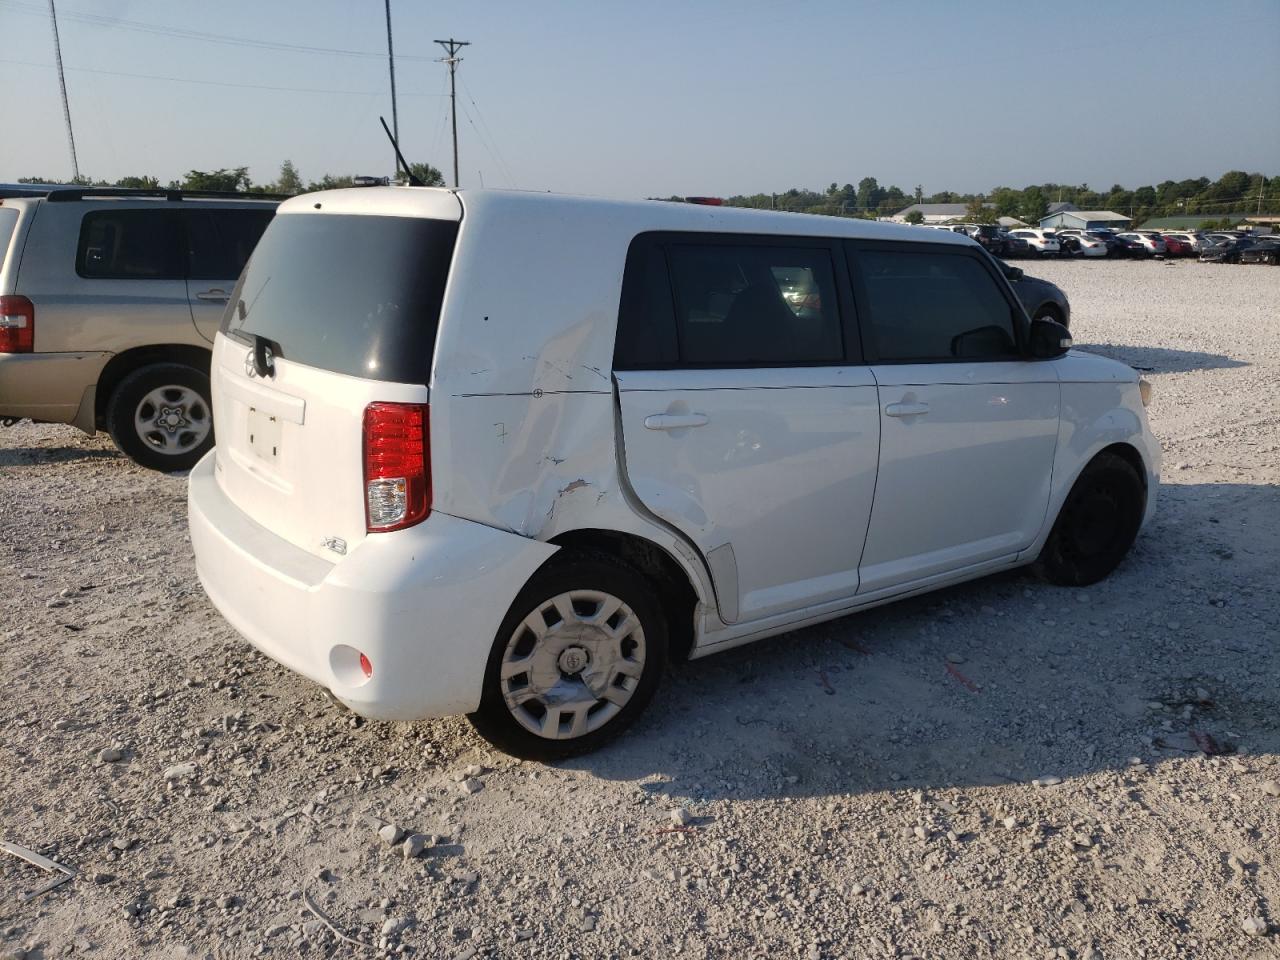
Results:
x,y
353,294
8,224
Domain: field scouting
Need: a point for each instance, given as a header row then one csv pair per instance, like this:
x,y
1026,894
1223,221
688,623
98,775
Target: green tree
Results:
x,y
919,193
428,174
290,181
330,182
979,212
220,180
139,183
1034,207
915,216
870,195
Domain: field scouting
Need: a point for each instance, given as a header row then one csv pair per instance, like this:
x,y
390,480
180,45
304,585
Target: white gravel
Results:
x,y
860,789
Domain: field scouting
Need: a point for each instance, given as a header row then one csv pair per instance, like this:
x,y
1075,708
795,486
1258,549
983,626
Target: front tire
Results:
x,y
160,416
1097,524
576,659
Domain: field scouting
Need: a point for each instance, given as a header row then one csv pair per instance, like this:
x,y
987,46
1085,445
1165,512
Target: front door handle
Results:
x,y
675,421
217,295
905,409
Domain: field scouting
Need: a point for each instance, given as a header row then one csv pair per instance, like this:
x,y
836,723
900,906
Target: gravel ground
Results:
x,y
999,770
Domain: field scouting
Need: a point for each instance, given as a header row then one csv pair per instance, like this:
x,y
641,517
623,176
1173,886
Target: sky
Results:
x,y
652,97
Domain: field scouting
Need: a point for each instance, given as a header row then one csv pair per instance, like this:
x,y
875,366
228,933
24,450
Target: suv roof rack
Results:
x,y
61,195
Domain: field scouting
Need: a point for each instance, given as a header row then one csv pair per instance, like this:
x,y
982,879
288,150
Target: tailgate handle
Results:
x,y
675,421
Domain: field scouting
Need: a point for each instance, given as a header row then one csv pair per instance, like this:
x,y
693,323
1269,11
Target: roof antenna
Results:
x,y
413,181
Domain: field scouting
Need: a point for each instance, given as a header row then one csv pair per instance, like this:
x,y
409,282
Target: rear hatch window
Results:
x,y
353,294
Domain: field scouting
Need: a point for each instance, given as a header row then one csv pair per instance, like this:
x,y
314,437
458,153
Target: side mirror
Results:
x,y
1013,273
1048,339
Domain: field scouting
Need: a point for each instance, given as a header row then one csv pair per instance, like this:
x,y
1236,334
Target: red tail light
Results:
x,y
17,325
397,466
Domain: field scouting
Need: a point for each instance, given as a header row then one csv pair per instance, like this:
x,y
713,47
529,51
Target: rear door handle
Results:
x,y
217,295
906,409
675,421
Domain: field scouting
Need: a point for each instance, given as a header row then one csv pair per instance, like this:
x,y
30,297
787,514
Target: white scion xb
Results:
x,y
506,454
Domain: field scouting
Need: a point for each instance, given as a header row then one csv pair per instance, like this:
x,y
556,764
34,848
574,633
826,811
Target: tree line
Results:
x,y
1234,192
237,180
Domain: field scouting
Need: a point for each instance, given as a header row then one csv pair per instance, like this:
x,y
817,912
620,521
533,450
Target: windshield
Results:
x,y
352,294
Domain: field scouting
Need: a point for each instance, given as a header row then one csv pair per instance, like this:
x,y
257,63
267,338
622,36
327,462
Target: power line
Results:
x,y
488,131
453,46
214,83
180,33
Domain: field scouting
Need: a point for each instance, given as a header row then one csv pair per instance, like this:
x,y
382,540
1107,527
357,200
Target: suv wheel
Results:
x,y
1097,524
575,661
159,416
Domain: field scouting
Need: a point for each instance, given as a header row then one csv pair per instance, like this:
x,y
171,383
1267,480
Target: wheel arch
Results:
x,y
675,590
127,361
1048,308
1127,452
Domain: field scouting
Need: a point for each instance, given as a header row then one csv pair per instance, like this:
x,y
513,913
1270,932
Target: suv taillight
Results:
x,y
397,466
17,325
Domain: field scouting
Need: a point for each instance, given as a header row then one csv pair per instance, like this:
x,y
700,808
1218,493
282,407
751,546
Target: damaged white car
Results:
x,y
507,454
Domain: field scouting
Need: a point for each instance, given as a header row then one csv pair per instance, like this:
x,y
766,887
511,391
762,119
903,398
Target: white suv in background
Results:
x,y
1043,242
505,454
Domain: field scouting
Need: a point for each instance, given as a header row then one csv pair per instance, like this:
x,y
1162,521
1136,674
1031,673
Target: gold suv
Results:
x,y
109,301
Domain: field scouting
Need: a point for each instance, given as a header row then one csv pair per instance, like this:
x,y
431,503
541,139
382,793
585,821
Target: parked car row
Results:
x,y
1223,247
1240,248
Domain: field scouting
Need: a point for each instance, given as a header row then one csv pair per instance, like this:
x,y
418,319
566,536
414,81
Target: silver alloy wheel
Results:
x,y
172,419
572,664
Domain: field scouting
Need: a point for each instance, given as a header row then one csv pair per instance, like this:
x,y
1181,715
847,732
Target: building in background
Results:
x,y
1084,219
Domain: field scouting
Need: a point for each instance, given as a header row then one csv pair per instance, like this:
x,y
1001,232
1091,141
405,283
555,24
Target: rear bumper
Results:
x,y
47,386
423,604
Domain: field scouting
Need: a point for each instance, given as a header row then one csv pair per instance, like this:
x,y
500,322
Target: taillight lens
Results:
x,y
397,466
17,325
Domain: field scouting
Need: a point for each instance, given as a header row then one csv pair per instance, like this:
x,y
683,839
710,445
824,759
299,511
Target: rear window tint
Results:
x,y
219,241
358,295
130,245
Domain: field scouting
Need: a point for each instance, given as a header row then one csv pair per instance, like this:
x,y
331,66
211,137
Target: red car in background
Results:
x,y
1177,248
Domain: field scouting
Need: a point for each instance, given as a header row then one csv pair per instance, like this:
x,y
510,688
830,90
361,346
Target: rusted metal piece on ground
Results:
x,y
962,679
63,873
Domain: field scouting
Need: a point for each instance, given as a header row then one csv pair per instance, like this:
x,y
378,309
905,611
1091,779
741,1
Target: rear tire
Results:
x,y
1097,524
576,659
160,416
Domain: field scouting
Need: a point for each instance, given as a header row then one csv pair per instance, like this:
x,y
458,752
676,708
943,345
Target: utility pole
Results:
x,y
62,82
391,62
453,46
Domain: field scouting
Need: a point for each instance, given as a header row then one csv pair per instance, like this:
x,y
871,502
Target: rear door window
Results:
x,y
929,305
130,245
755,305
219,242
353,294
